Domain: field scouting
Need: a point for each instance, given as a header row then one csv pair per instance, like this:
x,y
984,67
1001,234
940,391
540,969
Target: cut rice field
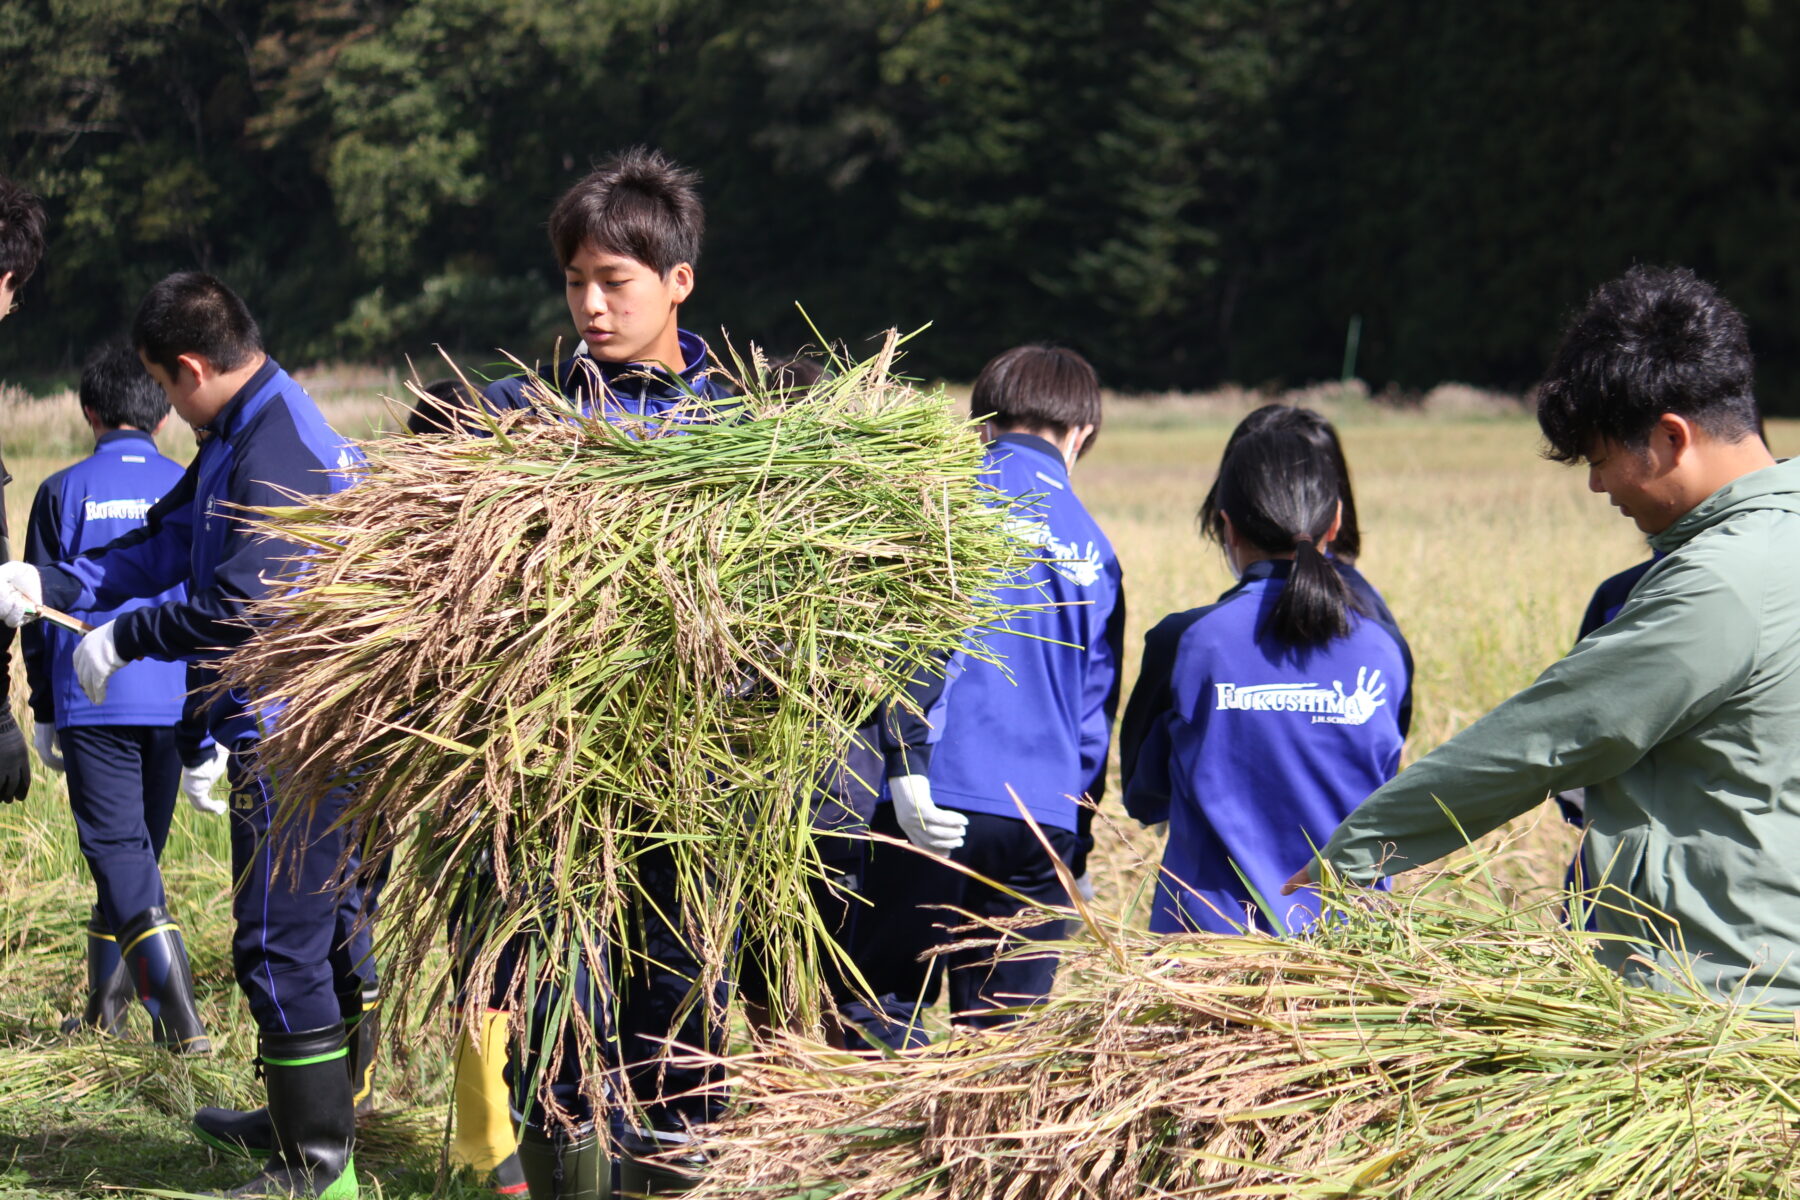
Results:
x,y
1486,554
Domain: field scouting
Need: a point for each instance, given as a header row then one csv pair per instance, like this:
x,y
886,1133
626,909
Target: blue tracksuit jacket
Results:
x,y
624,390
268,443
1045,731
83,507
1258,749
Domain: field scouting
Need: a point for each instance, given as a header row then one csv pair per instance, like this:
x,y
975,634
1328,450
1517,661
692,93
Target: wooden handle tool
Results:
x,y
72,624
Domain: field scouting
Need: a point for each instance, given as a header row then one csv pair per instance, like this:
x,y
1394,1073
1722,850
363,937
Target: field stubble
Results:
x,y
1485,553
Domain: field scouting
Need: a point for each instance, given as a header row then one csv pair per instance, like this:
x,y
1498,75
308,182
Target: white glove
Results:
x,y
96,658
927,826
21,591
197,782
48,752
1084,887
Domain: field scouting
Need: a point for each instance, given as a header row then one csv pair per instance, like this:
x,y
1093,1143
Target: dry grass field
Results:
x,y
1485,553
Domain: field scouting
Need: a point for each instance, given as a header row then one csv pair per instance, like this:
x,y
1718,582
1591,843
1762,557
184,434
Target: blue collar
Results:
x,y
1036,444
1267,568
237,409
123,439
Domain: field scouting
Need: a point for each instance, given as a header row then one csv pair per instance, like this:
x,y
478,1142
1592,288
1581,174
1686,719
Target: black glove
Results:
x,y
15,761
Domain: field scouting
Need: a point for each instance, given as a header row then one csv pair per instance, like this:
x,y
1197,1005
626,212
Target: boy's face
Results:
x,y
623,310
190,400
6,295
1635,481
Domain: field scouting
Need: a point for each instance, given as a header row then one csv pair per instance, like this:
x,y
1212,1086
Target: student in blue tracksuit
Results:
x,y
1039,729
1151,695
299,951
1280,705
123,761
627,237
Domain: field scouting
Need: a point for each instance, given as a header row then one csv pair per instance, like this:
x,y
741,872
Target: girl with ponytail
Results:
x,y
1259,721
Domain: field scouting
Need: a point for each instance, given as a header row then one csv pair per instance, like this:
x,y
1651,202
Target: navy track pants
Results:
x,y
122,785
300,948
908,894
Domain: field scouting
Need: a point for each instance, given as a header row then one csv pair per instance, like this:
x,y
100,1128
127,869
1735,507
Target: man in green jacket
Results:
x,y
1681,716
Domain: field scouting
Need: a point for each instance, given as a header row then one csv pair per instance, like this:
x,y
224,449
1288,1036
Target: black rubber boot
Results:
x,y
560,1165
651,1163
249,1134
154,954
234,1131
312,1115
362,1018
508,1179
109,984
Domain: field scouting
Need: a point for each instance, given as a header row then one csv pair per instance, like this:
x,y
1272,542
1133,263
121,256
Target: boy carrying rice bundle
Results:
x,y
613,1035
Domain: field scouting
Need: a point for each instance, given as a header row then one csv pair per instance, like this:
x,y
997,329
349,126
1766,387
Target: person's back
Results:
x,y
1261,720
1264,750
121,753
82,507
1037,729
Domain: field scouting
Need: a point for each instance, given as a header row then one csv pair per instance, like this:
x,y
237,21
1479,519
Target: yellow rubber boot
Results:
x,y
484,1140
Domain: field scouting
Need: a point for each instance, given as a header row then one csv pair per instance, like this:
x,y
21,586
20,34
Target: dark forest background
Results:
x,y
1187,191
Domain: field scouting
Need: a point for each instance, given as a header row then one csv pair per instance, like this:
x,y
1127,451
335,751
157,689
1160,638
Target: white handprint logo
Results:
x,y
1360,705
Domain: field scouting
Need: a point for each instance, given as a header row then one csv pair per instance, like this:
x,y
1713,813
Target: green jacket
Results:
x,y
1681,716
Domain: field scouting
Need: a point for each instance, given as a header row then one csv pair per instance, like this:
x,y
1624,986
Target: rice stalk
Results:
x,y
552,651
1419,1047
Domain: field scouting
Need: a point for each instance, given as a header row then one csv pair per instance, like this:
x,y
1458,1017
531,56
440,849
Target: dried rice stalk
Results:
x,y
1421,1048
560,645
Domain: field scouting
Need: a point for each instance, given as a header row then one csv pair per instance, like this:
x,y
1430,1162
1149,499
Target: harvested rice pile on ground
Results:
x,y
1417,1049
556,647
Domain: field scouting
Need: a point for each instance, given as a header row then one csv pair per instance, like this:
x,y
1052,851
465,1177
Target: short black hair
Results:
x,y
191,312
1038,387
1314,428
437,410
1655,340
637,204
119,392
22,232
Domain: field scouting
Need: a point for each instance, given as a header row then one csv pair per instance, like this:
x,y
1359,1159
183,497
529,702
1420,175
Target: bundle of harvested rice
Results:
x,y
1419,1048
567,643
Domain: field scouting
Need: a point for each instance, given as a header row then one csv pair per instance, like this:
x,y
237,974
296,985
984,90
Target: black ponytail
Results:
x,y
1305,423
1281,491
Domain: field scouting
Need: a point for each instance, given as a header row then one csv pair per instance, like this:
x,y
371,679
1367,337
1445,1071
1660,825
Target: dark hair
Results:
x,y
638,204
795,373
22,236
119,392
1302,422
436,411
1281,490
1652,341
1038,387
190,312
